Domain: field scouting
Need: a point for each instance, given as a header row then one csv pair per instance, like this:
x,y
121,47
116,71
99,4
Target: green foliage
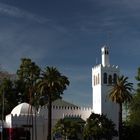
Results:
x,y
134,112
121,91
8,96
99,127
134,117
27,77
131,127
28,71
130,132
138,80
52,83
31,85
69,128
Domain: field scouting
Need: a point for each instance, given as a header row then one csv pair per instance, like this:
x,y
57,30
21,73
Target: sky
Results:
x,y
69,34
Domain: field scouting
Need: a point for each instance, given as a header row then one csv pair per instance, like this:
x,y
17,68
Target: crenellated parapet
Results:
x,y
59,111
71,116
57,107
97,66
70,108
107,66
110,67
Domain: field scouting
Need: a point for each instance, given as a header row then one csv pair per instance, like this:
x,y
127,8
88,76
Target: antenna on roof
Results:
x,y
109,33
96,60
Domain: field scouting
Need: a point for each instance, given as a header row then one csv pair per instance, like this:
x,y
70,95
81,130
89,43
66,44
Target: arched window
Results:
x,y
115,78
110,79
105,78
98,79
94,80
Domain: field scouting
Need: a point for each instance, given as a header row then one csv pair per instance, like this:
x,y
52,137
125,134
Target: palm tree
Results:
x,y
27,77
52,85
121,93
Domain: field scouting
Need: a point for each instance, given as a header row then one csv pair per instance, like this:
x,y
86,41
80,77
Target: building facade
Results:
x,y
104,76
33,124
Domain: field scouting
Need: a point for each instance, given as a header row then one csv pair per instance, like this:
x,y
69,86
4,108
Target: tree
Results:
x,y
132,126
52,85
69,128
138,80
8,96
7,93
99,127
27,77
134,111
130,132
121,93
10,87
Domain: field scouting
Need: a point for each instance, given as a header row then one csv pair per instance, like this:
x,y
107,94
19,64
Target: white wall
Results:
x,y
101,102
96,87
59,112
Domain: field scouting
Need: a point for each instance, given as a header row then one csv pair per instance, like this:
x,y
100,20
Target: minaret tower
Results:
x,y
104,76
105,56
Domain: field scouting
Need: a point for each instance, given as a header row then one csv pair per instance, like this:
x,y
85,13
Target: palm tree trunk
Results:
x,y
120,121
49,117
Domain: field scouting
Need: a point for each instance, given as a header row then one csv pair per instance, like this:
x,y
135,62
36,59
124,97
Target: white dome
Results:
x,y
23,109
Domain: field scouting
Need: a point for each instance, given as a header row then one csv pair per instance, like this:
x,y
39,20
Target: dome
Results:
x,y
23,109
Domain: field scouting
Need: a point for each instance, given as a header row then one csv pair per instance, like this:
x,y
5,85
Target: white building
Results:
x,y
103,77
25,119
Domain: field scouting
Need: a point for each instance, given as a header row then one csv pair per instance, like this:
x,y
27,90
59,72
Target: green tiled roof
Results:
x,y
75,119
63,103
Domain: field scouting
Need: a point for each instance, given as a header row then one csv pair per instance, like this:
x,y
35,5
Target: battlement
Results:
x,y
55,107
97,66
107,66
110,66
71,116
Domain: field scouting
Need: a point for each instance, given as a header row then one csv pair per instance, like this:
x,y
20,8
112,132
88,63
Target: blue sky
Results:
x,y
69,34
